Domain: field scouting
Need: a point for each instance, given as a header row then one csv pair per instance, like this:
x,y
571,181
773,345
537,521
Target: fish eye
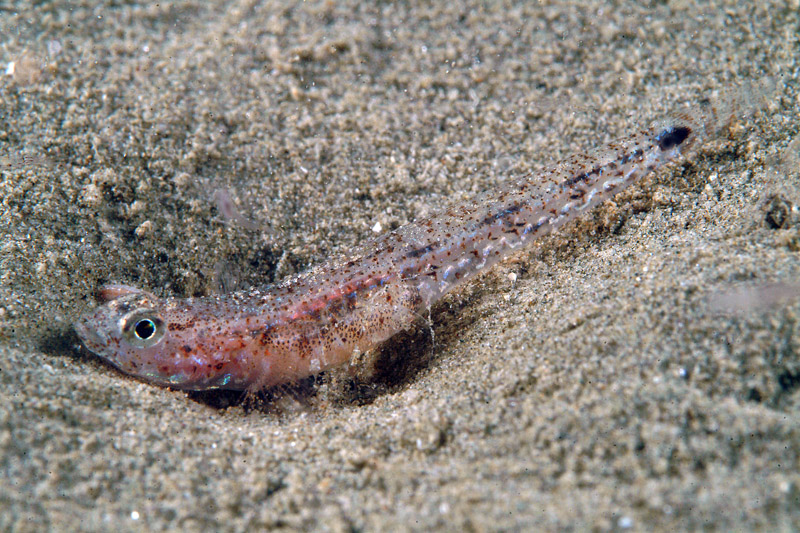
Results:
x,y
143,328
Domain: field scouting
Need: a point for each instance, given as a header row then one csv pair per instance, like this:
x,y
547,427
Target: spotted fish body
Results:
x,y
318,320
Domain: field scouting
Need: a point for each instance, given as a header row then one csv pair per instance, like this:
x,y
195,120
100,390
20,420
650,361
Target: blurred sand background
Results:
x,y
637,371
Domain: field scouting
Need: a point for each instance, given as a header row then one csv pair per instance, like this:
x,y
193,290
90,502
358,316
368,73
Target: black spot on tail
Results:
x,y
672,137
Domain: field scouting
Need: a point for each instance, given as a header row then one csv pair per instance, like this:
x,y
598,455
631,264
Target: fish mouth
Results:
x,y
89,335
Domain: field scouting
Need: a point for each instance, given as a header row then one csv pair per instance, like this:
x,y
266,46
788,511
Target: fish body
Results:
x,y
254,339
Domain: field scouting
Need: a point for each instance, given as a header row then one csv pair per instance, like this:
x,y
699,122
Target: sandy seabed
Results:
x,y
638,370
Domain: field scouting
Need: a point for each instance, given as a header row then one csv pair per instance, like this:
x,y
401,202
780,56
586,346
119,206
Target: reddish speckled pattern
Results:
x,y
264,337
